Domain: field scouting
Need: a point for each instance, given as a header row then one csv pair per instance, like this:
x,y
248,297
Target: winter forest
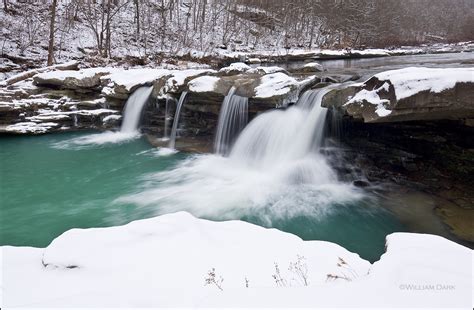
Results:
x,y
148,29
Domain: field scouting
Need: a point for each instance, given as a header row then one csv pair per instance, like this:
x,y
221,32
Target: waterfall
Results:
x,y
283,136
169,99
275,171
233,118
133,109
74,120
176,120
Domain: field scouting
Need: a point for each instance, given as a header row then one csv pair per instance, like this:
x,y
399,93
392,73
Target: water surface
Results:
x,y
50,185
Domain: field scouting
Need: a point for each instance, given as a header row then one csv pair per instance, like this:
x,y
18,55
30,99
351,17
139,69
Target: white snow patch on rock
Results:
x,y
275,84
372,97
179,77
254,60
235,67
203,84
111,118
84,73
133,77
266,70
31,127
314,66
410,81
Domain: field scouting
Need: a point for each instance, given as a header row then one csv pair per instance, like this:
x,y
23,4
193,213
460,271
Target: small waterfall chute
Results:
x,y
174,130
169,101
233,117
133,109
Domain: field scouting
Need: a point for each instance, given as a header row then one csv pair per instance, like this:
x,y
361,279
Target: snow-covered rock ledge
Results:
x,y
179,260
409,94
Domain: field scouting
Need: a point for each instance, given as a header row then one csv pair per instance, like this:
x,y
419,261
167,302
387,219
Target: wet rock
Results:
x,y
459,220
361,183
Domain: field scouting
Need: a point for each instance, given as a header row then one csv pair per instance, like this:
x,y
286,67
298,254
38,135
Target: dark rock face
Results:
x,y
196,120
433,157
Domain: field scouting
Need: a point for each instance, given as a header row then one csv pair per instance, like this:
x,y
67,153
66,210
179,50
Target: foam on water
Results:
x,y
97,139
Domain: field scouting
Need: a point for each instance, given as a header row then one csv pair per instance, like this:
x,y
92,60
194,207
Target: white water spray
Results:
x,y
233,117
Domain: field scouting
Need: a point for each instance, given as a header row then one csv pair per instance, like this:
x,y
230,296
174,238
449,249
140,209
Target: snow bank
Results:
x,y
424,271
165,261
203,84
161,261
409,81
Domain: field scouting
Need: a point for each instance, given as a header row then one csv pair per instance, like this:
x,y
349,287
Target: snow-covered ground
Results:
x,y
177,260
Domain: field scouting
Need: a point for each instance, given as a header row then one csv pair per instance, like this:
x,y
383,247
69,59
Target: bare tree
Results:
x,y
51,33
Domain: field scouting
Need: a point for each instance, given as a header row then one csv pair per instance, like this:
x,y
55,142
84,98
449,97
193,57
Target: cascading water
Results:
x,y
276,175
176,120
233,118
133,109
282,137
274,171
169,100
129,129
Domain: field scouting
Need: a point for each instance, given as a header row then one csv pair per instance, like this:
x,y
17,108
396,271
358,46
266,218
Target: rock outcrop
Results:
x,y
86,79
408,95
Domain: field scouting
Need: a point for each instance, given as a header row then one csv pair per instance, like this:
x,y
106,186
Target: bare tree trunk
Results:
x,y
137,16
203,16
107,30
51,34
5,5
